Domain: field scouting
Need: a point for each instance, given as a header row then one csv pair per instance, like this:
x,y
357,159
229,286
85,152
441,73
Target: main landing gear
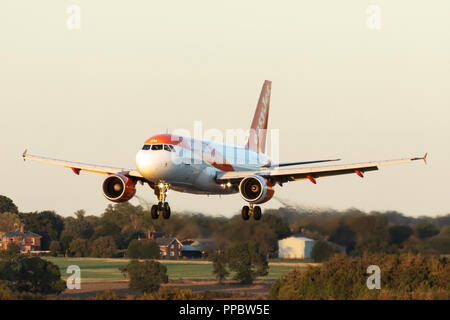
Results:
x,y
249,210
162,208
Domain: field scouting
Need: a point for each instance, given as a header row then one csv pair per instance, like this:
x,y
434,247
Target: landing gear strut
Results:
x,y
249,210
162,208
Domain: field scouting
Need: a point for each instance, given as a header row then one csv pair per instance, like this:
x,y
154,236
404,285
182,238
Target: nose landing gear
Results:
x,y
249,210
162,208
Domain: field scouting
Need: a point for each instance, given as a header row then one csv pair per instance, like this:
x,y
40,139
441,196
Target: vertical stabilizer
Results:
x,y
258,130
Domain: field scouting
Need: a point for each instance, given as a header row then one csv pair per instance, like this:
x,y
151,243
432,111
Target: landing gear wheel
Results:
x,y
257,213
161,192
245,212
166,210
154,212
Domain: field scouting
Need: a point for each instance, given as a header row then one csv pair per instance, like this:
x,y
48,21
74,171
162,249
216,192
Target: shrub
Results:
x,y
174,294
247,260
404,276
33,275
145,276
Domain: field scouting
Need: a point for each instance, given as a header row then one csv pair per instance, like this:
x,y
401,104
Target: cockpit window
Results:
x,y
157,147
146,147
169,147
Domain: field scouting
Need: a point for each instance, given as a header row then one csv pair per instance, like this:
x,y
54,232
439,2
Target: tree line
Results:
x,y
111,233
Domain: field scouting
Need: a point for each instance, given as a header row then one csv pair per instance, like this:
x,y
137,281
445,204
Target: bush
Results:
x,y
33,275
12,251
6,293
145,276
247,260
174,294
323,250
405,276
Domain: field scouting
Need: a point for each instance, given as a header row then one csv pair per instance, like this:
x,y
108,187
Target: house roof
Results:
x,y
187,247
166,241
298,237
17,233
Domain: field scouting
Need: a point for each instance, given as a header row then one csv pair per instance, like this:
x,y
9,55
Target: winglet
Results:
x,y
24,154
424,158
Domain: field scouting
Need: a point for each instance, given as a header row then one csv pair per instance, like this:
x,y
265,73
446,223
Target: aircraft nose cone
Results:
x,y
154,165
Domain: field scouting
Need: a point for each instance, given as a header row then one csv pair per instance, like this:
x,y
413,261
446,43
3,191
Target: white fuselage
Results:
x,y
190,165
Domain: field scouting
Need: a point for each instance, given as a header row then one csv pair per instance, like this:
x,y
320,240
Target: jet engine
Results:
x,y
118,188
256,189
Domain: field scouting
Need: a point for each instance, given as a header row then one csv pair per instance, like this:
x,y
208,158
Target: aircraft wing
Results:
x,y
312,173
78,166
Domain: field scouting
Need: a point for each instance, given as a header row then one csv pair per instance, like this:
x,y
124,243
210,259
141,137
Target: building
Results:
x,y
25,240
169,247
191,252
295,247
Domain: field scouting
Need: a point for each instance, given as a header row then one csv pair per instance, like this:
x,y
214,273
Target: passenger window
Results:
x,y
157,147
146,147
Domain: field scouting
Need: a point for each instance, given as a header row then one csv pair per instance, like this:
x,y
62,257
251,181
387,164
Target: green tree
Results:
x,y
247,261
239,230
323,250
33,275
145,276
79,248
218,258
425,230
277,224
368,227
103,247
143,249
7,205
8,221
344,236
55,248
399,234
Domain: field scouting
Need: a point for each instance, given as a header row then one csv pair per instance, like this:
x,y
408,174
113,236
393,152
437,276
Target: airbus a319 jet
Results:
x,y
185,164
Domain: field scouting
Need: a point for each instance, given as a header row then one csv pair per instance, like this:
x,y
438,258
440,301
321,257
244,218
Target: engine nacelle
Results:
x,y
256,189
118,188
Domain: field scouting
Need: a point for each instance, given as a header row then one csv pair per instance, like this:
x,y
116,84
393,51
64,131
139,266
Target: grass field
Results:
x,y
107,270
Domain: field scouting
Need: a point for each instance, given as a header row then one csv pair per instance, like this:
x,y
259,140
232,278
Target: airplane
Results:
x,y
185,164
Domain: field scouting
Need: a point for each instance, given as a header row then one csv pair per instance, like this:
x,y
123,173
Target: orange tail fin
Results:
x,y
258,130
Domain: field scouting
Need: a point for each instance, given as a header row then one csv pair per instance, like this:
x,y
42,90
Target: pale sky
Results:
x,y
137,68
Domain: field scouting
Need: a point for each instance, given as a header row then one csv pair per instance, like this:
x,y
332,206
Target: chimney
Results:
x,y
21,227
